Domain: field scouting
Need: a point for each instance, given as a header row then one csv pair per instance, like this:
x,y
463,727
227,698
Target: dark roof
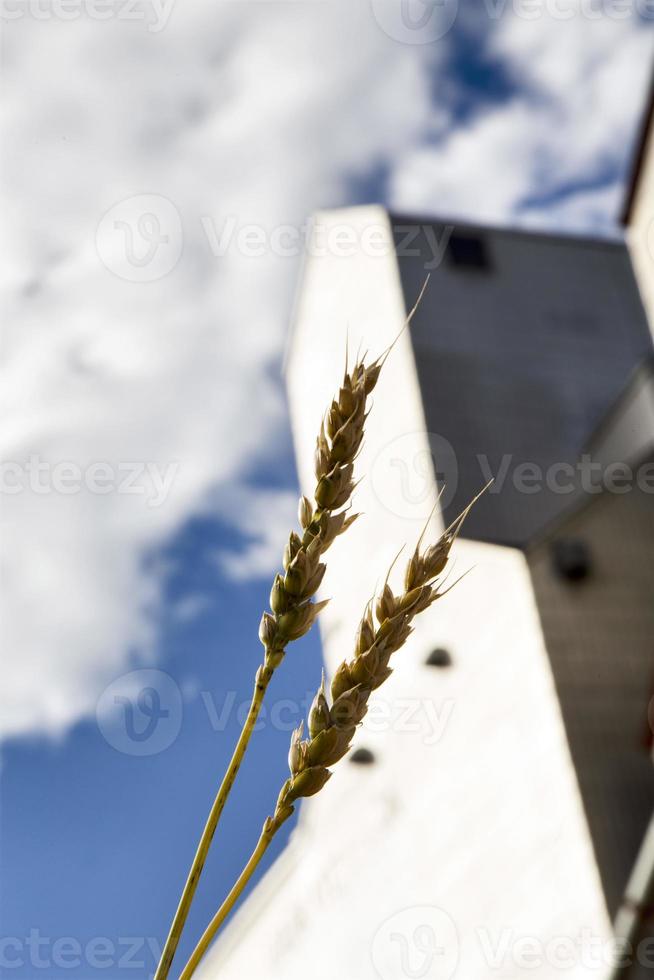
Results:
x,y
522,344
642,374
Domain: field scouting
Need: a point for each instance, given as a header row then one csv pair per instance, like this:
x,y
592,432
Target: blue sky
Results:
x,y
96,842
257,113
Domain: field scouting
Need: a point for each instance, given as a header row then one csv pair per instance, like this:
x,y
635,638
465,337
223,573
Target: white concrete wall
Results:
x,y
468,831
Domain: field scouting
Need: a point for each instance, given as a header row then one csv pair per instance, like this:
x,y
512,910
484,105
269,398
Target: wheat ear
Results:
x,y
384,628
292,608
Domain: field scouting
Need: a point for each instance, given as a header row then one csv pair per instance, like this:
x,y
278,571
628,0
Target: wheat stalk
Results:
x,y
384,628
292,607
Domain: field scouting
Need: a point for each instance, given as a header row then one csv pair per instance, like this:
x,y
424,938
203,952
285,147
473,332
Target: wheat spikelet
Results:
x,y
293,610
384,628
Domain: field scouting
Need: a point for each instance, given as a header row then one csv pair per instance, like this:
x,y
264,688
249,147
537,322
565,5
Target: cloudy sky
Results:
x,y
160,162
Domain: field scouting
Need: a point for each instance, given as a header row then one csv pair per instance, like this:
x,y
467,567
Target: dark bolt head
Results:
x,y
439,657
571,559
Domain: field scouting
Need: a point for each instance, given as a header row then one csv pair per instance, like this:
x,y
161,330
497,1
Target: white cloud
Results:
x,y
190,607
242,112
257,111
265,518
565,133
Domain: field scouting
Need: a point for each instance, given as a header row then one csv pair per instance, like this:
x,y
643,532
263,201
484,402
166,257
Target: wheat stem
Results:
x,y
270,828
293,609
384,628
331,728
170,948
